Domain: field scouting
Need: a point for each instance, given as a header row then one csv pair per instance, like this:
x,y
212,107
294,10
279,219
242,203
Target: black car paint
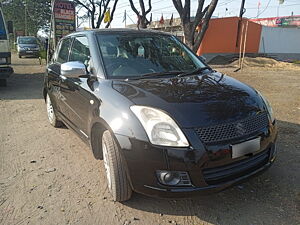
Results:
x,y
199,100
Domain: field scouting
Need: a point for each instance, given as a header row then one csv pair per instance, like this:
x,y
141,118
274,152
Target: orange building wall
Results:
x,y
221,36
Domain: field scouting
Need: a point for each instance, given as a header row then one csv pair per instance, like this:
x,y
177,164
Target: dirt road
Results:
x,y
49,176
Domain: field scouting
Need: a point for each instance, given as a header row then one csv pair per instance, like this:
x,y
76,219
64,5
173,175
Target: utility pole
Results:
x,y
125,14
242,10
25,14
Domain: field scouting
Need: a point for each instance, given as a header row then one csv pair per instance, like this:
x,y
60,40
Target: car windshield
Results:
x,y
27,40
2,28
135,55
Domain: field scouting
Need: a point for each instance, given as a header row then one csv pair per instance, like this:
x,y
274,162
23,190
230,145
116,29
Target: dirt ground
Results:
x,y
49,176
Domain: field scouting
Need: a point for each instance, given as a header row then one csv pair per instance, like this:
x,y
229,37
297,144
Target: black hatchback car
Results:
x,y
164,122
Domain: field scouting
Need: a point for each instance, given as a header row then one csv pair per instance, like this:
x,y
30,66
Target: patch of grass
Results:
x,y
296,61
43,54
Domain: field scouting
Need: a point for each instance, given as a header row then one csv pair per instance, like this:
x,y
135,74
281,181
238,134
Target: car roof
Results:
x,y
119,30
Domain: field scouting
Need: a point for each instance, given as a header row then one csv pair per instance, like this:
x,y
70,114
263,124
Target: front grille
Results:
x,y
230,131
222,174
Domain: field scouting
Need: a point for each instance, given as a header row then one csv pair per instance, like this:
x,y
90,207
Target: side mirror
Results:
x,y
73,69
10,27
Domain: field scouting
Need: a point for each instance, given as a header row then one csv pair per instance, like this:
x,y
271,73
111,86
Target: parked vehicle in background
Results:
x,y
163,121
5,52
28,46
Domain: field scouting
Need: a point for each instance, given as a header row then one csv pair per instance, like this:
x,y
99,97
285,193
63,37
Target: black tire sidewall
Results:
x,y
120,187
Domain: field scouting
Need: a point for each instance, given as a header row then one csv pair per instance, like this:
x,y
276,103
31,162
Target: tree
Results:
x,y
143,22
35,13
96,10
193,38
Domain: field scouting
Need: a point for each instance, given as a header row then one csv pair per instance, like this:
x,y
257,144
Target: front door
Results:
x,y
55,78
78,90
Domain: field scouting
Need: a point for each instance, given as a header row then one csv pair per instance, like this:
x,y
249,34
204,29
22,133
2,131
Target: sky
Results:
x,y
268,8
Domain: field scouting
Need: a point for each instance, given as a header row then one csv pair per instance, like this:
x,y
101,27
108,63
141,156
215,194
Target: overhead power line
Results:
x,y
258,14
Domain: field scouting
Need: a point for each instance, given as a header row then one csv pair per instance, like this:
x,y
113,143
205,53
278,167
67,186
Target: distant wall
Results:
x,y
279,40
221,38
222,35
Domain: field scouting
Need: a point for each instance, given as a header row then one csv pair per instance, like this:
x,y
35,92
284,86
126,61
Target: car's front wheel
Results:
x,y
117,179
51,113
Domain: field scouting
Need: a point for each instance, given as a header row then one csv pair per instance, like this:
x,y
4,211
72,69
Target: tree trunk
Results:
x,y
188,35
192,38
199,37
143,22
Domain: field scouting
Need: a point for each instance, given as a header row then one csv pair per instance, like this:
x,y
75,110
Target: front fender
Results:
x,y
114,113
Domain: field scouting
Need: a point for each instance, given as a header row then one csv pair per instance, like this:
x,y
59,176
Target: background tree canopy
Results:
x,y
38,13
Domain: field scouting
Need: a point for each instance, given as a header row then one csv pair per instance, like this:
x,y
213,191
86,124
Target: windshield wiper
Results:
x,y
199,70
154,74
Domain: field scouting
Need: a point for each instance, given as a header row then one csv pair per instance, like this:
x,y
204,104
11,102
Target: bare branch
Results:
x,y
205,24
83,5
178,6
100,9
199,13
187,10
142,6
93,12
112,14
101,16
96,10
133,8
202,16
150,7
142,19
199,16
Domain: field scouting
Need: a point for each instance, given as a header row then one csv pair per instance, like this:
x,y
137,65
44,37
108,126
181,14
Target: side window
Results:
x,y
63,52
80,50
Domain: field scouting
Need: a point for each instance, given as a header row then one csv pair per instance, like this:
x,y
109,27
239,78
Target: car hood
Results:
x,y
195,101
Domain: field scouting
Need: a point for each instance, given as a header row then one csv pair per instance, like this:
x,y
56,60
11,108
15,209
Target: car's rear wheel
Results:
x,y
51,113
117,180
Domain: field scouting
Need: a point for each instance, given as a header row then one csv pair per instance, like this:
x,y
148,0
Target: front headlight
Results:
x,y
269,108
160,127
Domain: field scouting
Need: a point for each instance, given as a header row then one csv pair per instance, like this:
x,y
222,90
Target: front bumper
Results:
x,y
210,168
29,52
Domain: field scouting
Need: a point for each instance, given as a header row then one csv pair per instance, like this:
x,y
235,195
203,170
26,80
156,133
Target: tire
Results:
x,y
51,113
3,83
117,180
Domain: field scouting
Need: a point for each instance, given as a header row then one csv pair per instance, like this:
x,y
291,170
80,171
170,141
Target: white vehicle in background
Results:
x,y
5,53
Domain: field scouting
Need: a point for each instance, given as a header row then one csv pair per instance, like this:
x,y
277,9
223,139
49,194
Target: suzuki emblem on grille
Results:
x,y
240,129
